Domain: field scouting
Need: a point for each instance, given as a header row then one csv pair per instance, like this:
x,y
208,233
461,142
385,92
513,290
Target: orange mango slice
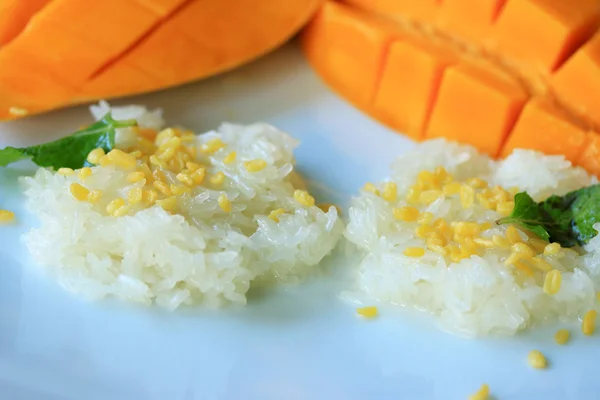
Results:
x,y
476,106
409,84
14,16
590,156
496,74
543,33
80,50
469,20
346,44
577,82
543,127
419,10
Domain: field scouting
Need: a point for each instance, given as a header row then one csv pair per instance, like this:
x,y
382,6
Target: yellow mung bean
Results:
x,y
136,176
212,146
482,394
84,173
168,204
79,192
552,282
95,155
150,196
114,205
369,187
552,249
425,218
65,171
477,183
199,174
275,214
429,196
467,196
562,336
94,196
302,197
185,178
505,208
541,264
500,241
217,179
513,235
451,189
422,231
536,359
192,166
121,159
134,196
367,312
588,325
414,252
162,187
224,203
179,189
255,165
230,158
390,191
524,251
6,216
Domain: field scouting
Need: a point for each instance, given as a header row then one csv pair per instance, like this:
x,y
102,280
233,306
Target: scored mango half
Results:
x,y
495,74
55,53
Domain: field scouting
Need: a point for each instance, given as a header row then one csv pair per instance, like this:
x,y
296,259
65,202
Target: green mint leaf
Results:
x,y
10,155
539,230
568,220
574,215
70,151
529,215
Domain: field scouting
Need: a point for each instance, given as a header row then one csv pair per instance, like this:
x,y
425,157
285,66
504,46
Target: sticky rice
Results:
x,y
429,244
183,241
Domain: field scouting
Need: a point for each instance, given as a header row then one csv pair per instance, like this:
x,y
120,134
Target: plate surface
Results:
x,y
295,342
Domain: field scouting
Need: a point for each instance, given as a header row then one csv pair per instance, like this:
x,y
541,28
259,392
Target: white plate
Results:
x,y
297,342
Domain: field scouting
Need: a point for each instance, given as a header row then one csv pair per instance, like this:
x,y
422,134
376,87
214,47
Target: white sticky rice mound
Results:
x,y
479,295
201,256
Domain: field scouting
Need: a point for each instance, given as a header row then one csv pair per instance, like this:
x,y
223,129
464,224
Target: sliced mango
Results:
x,y
590,157
496,74
409,84
543,33
28,89
469,20
14,16
349,49
577,82
25,51
118,79
418,10
477,106
108,26
181,58
162,8
80,44
544,127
